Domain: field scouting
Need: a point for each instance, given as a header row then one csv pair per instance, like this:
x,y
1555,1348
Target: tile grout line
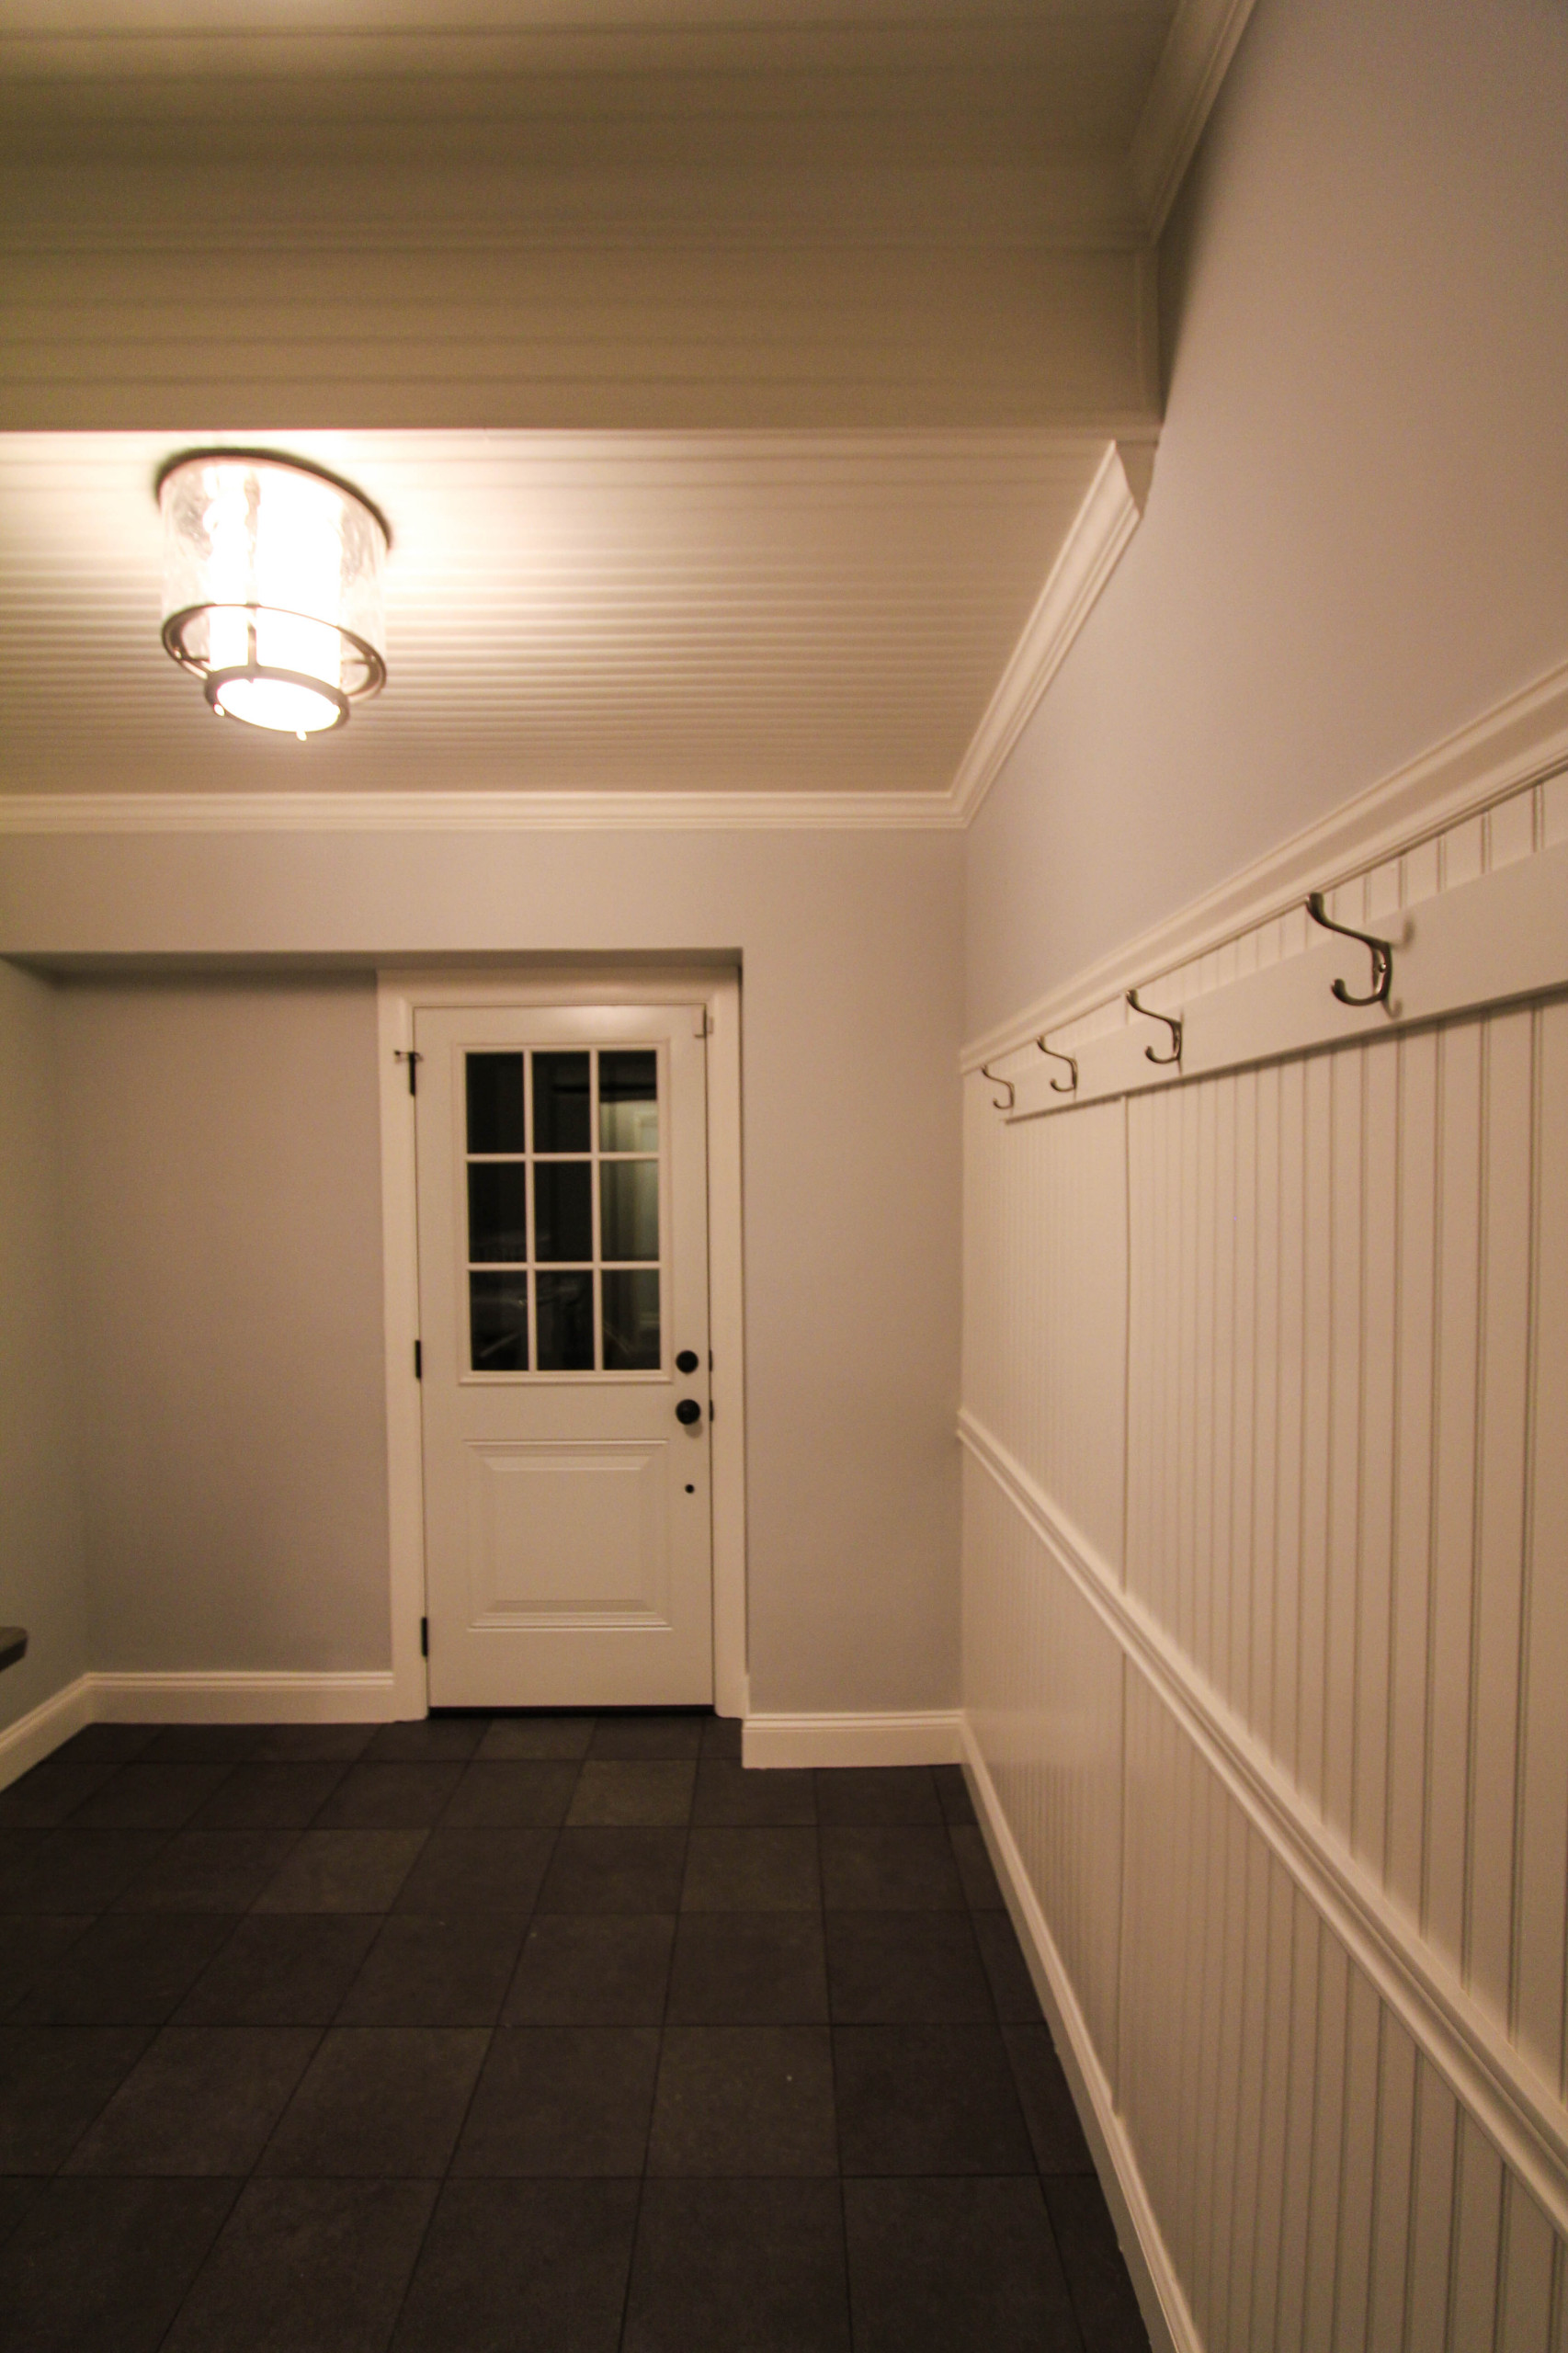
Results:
x,y
956,1841
659,2066
833,2072
446,2175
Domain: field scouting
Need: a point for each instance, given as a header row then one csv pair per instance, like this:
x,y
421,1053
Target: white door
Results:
x,y
563,1327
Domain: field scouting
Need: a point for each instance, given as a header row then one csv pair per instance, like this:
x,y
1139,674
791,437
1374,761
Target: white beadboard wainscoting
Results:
x,y
1266,1634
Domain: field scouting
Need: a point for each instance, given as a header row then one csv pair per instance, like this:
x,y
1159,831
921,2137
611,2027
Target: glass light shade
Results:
x,y
272,588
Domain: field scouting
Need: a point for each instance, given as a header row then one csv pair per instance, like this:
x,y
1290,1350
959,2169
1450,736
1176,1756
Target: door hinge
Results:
x,y
423,1638
407,1054
702,1022
418,1361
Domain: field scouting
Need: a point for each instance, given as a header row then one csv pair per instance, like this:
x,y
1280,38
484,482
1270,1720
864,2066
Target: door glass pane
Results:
x,y
628,1106
565,1322
497,1214
629,1207
560,1102
631,1320
563,1209
498,1323
495,1102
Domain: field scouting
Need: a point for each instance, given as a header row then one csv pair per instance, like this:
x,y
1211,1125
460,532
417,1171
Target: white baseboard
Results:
x,y
347,1699
902,1737
221,1699
1166,2315
33,1737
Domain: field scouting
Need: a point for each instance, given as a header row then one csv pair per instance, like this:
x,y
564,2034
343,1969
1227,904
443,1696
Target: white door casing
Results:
x,y
563,1267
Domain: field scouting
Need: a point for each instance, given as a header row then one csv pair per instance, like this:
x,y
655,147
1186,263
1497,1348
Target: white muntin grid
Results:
x,y
596,1156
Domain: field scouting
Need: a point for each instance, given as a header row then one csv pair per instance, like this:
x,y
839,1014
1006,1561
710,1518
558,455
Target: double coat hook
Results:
x,y
1380,950
1172,1022
1068,1086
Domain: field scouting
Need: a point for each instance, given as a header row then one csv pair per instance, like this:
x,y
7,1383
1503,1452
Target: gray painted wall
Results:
x,y
1357,539
42,1552
222,1196
225,1138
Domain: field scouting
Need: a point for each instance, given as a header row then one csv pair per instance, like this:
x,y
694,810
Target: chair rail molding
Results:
x,y
1519,2111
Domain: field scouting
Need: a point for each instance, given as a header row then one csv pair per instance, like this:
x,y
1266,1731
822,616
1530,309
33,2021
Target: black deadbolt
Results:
x,y
688,1411
687,1360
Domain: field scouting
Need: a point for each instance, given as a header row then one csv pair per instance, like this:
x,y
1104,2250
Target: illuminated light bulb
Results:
x,y
272,588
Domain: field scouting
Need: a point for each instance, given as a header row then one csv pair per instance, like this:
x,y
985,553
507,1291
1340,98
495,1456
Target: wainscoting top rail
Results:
x,y
1518,746
1491,941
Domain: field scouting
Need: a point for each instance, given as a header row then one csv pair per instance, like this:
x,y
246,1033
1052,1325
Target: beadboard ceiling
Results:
x,y
733,372
565,613
577,81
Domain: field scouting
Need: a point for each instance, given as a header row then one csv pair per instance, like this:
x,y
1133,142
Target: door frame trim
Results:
x,y
399,993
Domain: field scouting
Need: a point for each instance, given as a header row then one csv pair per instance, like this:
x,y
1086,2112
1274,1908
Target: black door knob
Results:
x,y
688,1411
686,1361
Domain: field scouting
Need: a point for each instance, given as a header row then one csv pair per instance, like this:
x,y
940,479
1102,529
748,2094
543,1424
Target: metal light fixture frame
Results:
x,y
176,623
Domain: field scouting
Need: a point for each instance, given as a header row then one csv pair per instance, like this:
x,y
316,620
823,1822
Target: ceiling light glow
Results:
x,y
272,587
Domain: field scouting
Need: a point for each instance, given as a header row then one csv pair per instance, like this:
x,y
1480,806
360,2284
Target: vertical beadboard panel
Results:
x,y
1415,1342
1043,1679
1395,2161
1289,1348
1528,2265
1541,1986
1347,1416
1374,1484
1045,1327
1431,2212
1499,1508
1458,1179
1478,2224
1319,2188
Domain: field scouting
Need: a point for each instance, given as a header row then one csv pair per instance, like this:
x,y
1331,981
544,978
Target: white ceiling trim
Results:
x,y
1099,532
1197,51
474,813
1104,524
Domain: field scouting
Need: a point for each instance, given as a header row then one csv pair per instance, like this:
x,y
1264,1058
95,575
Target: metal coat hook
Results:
x,y
997,1080
1057,1087
1172,1022
1381,954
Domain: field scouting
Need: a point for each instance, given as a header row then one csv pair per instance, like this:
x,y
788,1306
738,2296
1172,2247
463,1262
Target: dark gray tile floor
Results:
x,y
532,2034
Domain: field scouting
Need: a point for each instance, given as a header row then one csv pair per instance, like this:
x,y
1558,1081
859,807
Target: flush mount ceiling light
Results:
x,y
272,587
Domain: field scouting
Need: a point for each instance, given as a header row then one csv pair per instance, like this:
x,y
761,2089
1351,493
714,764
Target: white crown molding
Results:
x,y
1164,2309
1100,530
476,813
1519,2112
902,1736
1197,51
1519,742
